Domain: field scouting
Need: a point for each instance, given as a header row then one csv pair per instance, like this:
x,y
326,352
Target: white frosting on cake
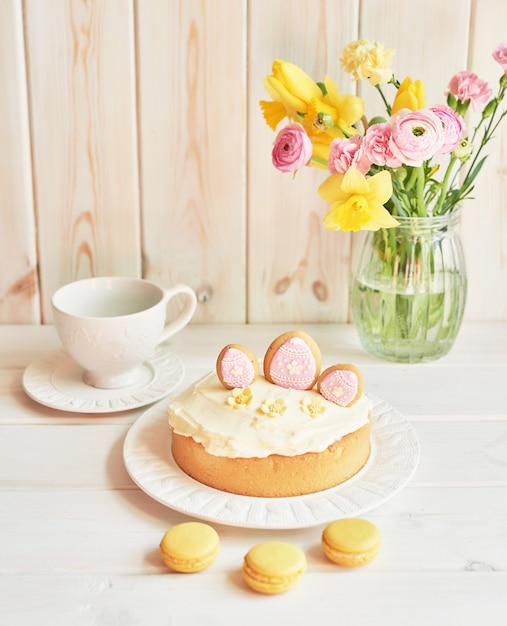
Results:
x,y
203,413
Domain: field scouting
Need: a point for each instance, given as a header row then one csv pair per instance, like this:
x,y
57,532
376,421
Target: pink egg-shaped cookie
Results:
x,y
293,361
341,384
237,367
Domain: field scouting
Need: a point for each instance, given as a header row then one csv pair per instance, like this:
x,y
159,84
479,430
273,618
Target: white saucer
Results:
x,y
56,381
393,461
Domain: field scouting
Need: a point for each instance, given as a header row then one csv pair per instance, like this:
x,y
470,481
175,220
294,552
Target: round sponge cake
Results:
x,y
265,440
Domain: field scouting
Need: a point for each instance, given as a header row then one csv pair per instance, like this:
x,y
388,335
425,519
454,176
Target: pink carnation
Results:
x,y
500,56
468,86
292,148
416,136
345,153
376,145
453,126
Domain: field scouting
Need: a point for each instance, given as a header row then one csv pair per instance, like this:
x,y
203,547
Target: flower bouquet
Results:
x,y
400,178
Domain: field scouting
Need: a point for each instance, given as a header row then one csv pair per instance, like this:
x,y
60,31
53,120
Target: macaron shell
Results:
x,y
293,361
189,547
273,567
341,384
351,542
237,366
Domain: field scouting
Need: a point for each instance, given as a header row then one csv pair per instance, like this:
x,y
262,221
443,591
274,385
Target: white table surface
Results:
x,y
79,541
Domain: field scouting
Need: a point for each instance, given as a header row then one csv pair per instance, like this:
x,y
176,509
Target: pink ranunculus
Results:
x,y
500,56
416,136
292,148
345,153
468,86
376,147
453,126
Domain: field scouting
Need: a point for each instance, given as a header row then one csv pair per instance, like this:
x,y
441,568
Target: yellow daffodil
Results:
x,y
273,113
334,113
356,201
299,98
410,95
320,153
320,118
349,109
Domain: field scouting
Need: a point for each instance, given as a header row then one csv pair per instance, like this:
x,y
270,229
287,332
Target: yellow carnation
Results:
x,y
366,59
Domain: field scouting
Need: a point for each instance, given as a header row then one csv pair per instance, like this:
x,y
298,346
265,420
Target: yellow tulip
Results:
x,y
292,87
410,95
356,201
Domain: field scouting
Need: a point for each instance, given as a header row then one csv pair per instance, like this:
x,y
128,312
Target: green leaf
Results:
x,y
377,120
452,101
322,87
472,175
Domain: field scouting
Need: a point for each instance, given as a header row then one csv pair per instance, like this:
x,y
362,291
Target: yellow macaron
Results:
x,y
273,566
189,547
351,541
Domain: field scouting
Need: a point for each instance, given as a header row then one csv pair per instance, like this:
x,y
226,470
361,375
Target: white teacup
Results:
x,y
111,325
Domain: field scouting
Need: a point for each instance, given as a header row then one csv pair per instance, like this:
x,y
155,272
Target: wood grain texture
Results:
x,y
82,84
133,143
192,70
19,290
298,271
485,217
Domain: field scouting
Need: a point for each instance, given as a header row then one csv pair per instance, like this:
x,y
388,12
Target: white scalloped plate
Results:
x,y
56,381
393,461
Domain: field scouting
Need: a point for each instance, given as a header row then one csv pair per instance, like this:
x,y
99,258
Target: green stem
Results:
x,y
386,103
399,208
445,186
412,179
320,161
421,204
488,133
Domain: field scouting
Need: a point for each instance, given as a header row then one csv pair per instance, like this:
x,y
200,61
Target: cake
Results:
x,y
274,435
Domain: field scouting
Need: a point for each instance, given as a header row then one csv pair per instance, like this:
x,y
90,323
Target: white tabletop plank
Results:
x,y
423,529
465,598
79,540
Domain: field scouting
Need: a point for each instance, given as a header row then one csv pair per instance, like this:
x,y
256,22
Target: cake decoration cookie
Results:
x,y
237,366
341,384
293,360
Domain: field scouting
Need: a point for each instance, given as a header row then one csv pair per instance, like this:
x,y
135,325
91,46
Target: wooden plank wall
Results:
x,y
131,142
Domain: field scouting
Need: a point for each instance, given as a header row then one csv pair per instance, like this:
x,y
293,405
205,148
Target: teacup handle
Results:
x,y
172,327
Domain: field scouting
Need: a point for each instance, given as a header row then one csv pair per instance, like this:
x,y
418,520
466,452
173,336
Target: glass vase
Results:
x,y
408,288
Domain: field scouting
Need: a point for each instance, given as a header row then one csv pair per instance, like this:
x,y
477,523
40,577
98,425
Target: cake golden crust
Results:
x,y
275,476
